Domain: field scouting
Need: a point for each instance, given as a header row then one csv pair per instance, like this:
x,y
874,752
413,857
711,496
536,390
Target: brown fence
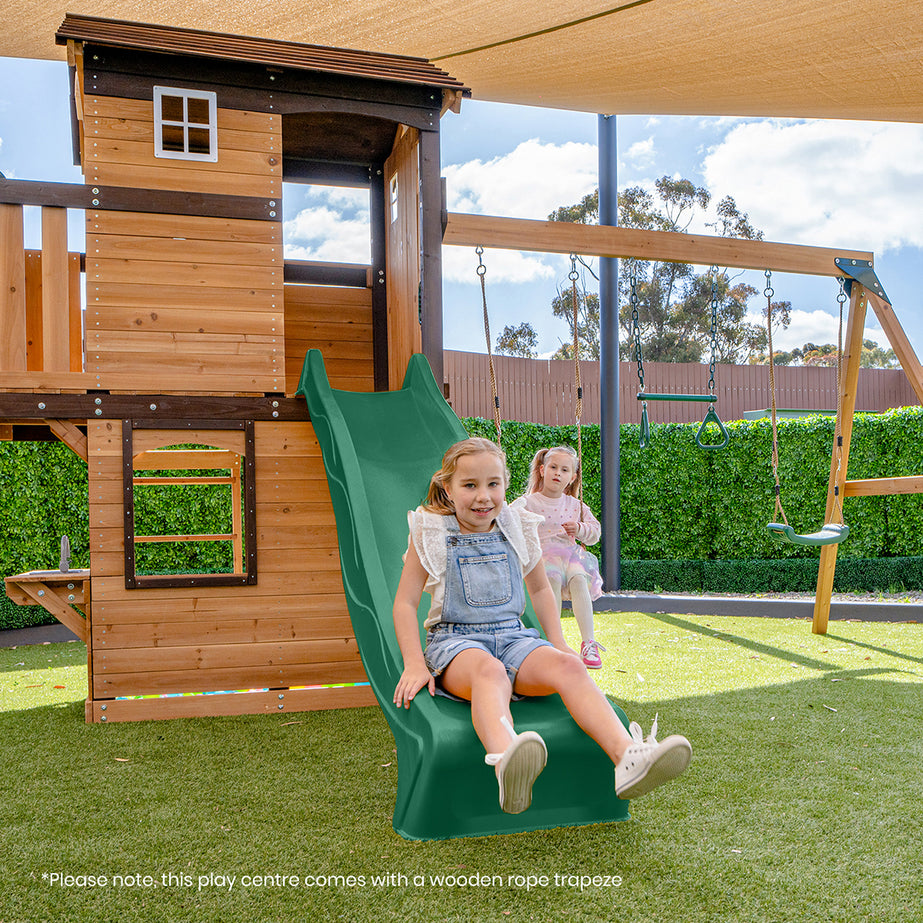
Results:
x,y
542,390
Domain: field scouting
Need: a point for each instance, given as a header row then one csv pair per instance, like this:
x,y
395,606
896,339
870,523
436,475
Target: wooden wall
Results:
x,y
198,299
291,629
337,321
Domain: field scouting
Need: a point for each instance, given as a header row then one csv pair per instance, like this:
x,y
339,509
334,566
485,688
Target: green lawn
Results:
x,y
802,802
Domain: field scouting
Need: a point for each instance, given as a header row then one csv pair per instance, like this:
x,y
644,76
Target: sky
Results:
x,y
856,185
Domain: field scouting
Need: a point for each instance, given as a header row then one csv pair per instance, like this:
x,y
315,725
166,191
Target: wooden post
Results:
x,y
55,291
899,343
846,406
12,290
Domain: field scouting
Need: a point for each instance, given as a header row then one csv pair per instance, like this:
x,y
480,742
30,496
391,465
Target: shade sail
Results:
x,y
800,58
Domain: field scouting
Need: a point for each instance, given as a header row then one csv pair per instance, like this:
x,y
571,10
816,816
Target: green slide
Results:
x,y
380,450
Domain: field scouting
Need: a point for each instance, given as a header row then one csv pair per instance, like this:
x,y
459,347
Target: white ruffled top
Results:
x,y
428,533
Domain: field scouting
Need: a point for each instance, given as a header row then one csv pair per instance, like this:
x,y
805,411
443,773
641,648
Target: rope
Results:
x,y
482,272
837,427
768,292
578,406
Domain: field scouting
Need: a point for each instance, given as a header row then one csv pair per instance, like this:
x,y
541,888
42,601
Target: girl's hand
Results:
x,y
571,529
412,680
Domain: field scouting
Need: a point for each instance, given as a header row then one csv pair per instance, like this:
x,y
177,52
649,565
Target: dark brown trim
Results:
x,y
250,501
128,504
135,581
324,173
350,275
101,405
276,91
378,216
125,198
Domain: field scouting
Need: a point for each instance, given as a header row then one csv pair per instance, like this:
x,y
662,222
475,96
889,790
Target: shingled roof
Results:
x,y
342,61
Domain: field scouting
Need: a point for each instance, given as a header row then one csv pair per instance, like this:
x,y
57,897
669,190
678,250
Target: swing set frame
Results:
x,y
864,289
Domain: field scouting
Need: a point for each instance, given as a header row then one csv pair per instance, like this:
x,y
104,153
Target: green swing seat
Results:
x,y
831,534
380,450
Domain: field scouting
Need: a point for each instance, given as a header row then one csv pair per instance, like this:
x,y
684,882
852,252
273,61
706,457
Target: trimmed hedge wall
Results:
x,y
692,519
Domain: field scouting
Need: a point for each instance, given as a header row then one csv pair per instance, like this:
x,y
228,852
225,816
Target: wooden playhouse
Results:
x,y
176,341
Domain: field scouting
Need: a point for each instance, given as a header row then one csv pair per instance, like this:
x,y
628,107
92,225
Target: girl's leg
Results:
x,y
547,671
556,589
481,679
640,765
518,759
579,587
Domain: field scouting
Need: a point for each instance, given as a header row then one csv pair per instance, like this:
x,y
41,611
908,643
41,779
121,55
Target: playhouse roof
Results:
x,y
195,42
801,58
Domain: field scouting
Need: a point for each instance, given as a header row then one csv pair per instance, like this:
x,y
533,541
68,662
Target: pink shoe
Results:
x,y
589,654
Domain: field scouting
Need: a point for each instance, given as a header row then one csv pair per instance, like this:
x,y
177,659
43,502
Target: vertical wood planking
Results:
x,y
12,290
403,254
34,337
75,314
55,291
542,390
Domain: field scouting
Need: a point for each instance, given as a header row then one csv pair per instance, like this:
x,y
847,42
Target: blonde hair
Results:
x,y
437,499
537,482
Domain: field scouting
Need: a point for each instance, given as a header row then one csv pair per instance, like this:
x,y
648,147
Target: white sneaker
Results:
x,y
517,768
647,764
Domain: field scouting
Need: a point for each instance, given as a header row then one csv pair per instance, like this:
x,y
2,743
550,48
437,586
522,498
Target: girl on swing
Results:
x,y
470,552
554,493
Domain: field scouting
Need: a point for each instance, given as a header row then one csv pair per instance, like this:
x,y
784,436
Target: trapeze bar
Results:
x,y
698,398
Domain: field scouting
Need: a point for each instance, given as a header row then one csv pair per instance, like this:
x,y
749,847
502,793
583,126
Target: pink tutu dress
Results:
x,y
563,557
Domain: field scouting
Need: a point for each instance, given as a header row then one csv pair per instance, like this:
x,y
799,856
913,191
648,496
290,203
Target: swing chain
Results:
x,y
714,329
634,300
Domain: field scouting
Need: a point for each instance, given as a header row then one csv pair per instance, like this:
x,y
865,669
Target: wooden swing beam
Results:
x,y
596,240
600,240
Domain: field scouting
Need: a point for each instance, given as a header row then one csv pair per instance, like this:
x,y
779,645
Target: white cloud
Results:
x,y
825,183
324,233
459,264
812,327
531,181
641,154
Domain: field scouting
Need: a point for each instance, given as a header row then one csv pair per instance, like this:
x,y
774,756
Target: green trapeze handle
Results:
x,y
712,417
831,534
645,439
697,398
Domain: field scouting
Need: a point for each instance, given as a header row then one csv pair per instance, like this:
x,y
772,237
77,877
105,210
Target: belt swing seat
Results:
x,y
380,450
831,533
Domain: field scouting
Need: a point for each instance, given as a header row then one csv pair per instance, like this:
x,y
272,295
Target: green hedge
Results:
x,y
706,510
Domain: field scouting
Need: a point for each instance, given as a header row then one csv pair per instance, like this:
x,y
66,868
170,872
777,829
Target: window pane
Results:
x,y
173,138
199,140
171,108
198,110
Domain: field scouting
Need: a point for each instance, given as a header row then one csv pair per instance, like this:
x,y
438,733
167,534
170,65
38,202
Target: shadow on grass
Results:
x,y
785,654
775,778
880,650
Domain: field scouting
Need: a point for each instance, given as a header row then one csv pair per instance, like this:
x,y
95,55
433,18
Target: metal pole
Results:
x,y
609,359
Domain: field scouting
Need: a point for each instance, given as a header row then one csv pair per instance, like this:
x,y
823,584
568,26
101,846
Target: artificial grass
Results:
x,y
801,804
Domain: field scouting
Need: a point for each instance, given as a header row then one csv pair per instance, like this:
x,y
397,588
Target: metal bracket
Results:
x,y
860,271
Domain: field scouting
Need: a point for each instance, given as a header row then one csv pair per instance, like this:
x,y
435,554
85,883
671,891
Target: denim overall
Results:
x,y
483,602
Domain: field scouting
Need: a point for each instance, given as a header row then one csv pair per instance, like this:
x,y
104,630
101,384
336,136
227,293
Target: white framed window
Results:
x,y
395,198
185,124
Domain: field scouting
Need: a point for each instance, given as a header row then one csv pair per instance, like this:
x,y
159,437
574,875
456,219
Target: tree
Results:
x,y
518,341
674,302
873,356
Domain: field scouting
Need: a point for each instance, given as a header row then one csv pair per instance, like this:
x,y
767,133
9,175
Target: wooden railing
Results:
x,y
40,303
